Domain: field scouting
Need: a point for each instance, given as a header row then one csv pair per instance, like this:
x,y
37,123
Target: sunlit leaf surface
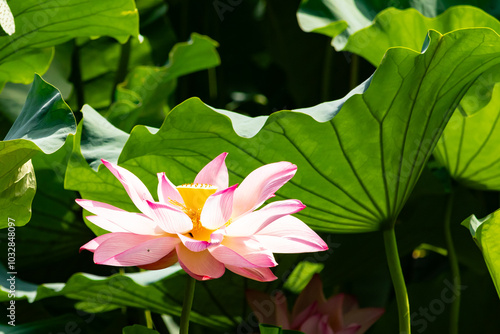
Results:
x,y
358,158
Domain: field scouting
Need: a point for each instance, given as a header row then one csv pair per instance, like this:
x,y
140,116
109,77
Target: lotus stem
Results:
x,y
188,303
391,251
149,319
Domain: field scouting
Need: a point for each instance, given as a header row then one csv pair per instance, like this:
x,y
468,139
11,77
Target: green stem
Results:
x,y
121,72
188,303
455,270
149,319
391,251
353,79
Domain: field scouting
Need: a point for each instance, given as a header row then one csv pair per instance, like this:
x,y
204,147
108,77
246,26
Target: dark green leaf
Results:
x,y
42,126
56,230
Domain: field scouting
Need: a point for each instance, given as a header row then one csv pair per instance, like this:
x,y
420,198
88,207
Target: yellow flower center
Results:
x,y
195,195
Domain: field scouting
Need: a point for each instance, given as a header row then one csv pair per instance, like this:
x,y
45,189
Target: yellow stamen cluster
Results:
x,y
195,195
197,186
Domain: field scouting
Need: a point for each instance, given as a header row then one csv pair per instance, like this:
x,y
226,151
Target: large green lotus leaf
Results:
x,y
485,233
148,290
355,169
356,166
143,94
369,30
469,147
42,126
40,26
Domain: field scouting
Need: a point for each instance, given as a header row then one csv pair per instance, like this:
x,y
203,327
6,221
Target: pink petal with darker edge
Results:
x,y
120,220
96,242
145,253
290,235
167,191
117,243
260,185
164,262
243,252
169,219
199,265
134,187
214,173
192,244
258,274
253,222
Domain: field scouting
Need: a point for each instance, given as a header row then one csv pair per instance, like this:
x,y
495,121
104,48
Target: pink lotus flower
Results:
x,y
312,313
207,226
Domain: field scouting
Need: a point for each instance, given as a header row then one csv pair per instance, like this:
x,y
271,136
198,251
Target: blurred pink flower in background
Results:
x,y
207,226
312,313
